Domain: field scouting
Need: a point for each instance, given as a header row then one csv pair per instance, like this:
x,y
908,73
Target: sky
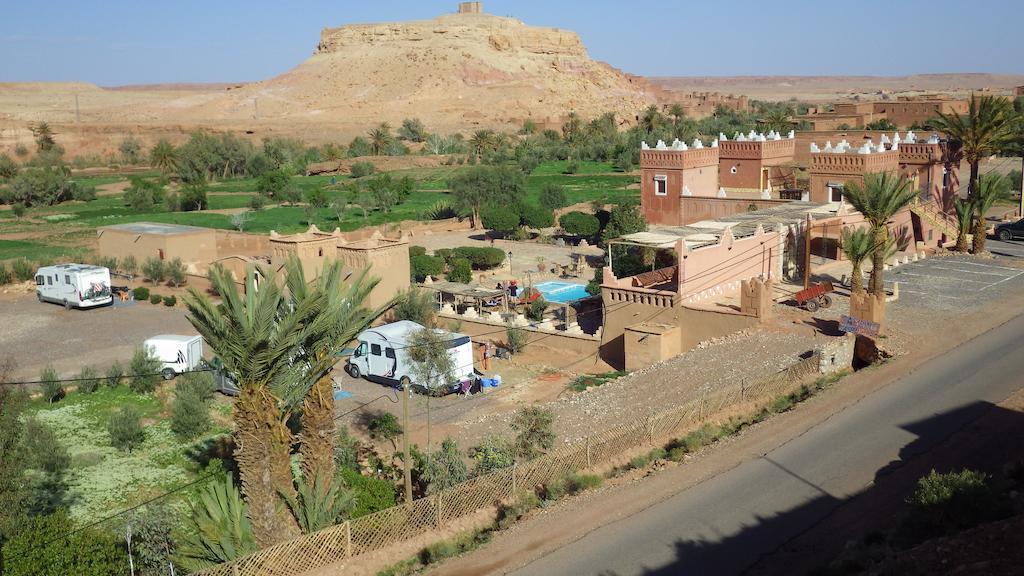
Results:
x,y
116,42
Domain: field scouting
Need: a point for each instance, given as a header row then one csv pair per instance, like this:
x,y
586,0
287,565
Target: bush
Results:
x,y
509,514
8,168
950,502
23,269
461,271
417,251
552,197
257,202
170,301
50,385
176,272
384,426
580,224
481,258
569,485
624,161
152,543
361,169
144,371
87,552
423,266
154,270
371,494
190,412
84,193
88,380
493,453
141,293
572,167
129,265
444,253
19,209
114,374
500,219
416,305
535,310
317,198
535,433
125,429
536,217
516,338
193,197
155,299
6,276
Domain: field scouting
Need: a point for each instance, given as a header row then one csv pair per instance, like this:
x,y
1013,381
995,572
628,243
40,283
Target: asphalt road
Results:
x,y
725,524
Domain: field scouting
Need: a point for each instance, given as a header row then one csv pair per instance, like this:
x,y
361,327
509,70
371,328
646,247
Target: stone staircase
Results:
x,y
930,212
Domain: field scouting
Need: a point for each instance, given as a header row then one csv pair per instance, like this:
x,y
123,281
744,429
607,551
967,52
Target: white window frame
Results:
x,y
832,188
664,185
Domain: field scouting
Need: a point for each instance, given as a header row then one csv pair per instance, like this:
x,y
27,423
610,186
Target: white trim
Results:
x,y
660,178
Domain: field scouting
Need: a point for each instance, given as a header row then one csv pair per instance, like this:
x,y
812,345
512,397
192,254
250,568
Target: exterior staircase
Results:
x,y
930,212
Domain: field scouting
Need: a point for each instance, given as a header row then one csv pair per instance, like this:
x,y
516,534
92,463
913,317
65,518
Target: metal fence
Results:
x,y
380,529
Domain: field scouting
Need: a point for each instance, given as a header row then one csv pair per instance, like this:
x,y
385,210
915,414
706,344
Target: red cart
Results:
x,y
815,296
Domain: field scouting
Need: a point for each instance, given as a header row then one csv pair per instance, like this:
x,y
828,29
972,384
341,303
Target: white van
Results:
x,y
178,353
74,285
382,356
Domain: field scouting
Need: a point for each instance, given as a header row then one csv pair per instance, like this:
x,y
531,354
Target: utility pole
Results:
x,y
77,116
807,252
405,443
1020,209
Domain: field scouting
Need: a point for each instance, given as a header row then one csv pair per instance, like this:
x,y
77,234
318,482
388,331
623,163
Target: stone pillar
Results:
x,y
756,297
868,307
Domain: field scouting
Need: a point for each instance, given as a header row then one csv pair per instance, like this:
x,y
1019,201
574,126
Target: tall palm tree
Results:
x,y
858,244
992,188
380,139
879,198
677,112
964,218
164,157
482,141
651,120
985,130
308,386
778,118
256,334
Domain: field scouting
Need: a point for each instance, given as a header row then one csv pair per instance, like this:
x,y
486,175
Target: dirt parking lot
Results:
x,y
37,334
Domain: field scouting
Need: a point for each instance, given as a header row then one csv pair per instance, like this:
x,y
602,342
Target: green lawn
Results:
x,y
36,251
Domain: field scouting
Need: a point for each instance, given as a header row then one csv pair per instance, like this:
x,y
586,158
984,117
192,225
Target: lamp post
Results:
x,y
509,262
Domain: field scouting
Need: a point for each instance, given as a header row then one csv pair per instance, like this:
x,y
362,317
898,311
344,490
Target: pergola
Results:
x,y
462,293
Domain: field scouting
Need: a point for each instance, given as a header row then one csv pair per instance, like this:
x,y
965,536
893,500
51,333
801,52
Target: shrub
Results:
x,y
423,266
416,305
535,310
535,433
217,528
190,412
152,544
361,169
6,276
500,219
50,385
155,299
384,426
509,514
193,197
144,371
417,251
552,197
572,167
8,168
480,257
317,198
88,551
516,338
141,293
346,450
114,374
445,469
109,263
371,494
199,384
493,453
947,503
23,269
257,202
170,301
88,380
624,161
570,484
176,272
125,429
19,209
444,253
154,270
580,224
461,271
84,193
129,265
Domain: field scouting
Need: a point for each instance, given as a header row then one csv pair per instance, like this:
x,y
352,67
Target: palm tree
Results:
x,y
164,157
986,129
858,244
256,334
878,199
341,317
481,141
677,113
964,219
992,188
651,120
380,139
778,118
43,134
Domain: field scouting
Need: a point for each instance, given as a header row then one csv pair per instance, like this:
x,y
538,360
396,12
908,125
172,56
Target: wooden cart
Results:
x,y
815,296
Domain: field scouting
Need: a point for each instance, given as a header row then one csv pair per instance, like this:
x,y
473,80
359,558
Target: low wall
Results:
x,y
242,244
409,227
697,208
566,350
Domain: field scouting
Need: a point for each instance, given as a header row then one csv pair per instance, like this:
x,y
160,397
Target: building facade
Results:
x,y
670,173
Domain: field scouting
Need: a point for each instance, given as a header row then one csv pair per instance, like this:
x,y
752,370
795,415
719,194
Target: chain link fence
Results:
x,y
381,529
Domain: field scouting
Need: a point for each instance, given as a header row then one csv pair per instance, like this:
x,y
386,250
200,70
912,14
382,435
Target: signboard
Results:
x,y
858,326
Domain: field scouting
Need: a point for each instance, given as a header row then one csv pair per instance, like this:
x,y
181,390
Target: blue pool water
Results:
x,y
562,292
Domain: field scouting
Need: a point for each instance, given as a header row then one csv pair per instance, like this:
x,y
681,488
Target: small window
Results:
x,y
389,352
67,279
835,192
660,186
734,169
39,280
375,349
790,194
49,280
930,235
320,252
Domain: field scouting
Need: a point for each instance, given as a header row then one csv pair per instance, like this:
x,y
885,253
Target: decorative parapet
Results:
x,y
756,149
854,164
675,159
920,153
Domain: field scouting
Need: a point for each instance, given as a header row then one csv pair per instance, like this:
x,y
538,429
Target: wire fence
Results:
x,y
375,531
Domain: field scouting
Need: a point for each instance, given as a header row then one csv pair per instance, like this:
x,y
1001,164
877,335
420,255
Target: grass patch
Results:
x,y
36,251
581,383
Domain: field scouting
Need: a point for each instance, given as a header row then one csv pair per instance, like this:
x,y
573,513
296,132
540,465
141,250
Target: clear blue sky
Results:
x,y
127,42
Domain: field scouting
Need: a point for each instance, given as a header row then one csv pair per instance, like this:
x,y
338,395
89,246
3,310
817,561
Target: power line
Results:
x,y
99,377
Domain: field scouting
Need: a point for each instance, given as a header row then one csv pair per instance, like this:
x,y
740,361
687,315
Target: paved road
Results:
x,y
1011,249
723,525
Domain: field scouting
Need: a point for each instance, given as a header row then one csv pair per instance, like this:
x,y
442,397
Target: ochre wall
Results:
x,y
564,351
196,249
694,209
389,264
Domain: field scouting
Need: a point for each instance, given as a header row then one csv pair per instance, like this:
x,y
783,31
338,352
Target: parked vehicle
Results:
x,y
178,353
225,382
74,285
1010,230
382,356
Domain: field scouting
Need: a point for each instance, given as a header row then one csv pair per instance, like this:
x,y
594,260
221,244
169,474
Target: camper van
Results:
x,y
74,285
178,354
382,356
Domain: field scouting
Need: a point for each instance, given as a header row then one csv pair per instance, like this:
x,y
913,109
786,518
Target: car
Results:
x,y
1010,230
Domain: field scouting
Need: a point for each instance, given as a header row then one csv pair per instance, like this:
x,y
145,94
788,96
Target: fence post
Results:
x,y
437,503
348,539
588,453
650,429
703,401
514,487
234,569
743,389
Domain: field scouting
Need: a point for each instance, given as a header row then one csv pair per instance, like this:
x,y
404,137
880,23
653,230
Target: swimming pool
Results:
x,y
562,292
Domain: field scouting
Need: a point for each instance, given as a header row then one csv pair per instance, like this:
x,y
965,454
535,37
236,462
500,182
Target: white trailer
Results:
x,y
177,353
383,356
74,285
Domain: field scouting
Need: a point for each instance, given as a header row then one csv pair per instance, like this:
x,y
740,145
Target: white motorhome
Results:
x,y
177,353
74,285
383,356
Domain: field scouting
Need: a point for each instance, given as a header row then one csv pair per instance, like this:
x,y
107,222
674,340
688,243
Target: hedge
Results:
x,y
499,219
536,217
580,224
141,293
423,266
480,257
